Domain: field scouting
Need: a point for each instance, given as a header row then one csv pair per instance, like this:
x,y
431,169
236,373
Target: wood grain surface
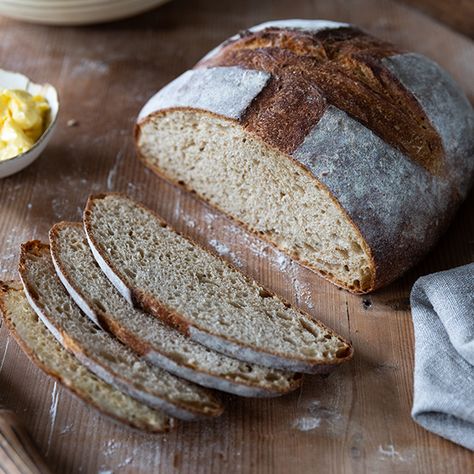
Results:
x,y
358,419
18,454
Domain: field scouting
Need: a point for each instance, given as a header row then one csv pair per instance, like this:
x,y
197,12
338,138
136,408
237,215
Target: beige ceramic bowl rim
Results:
x,y
91,12
48,130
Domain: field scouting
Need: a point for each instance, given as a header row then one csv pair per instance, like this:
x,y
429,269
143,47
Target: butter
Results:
x,y
22,121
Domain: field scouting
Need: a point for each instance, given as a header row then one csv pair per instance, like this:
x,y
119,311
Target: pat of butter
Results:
x,y
22,121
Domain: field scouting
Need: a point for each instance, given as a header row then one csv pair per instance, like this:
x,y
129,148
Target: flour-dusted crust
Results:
x,y
354,162
366,121
447,108
155,400
14,288
314,26
152,353
234,348
224,91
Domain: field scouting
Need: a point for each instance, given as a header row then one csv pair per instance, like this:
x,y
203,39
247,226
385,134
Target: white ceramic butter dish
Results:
x,y
14,80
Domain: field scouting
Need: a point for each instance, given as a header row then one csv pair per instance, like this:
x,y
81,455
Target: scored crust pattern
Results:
x,y
312,70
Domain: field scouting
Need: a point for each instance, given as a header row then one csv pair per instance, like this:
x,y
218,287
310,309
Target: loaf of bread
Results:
x,y
341,150
42,348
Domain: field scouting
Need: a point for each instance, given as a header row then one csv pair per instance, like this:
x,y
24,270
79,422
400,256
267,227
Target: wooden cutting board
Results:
x,y
356,420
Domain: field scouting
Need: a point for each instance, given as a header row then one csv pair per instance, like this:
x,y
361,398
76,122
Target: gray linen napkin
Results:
x,y
443,318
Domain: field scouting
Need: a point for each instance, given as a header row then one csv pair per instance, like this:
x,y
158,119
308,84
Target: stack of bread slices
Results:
x,y
144,324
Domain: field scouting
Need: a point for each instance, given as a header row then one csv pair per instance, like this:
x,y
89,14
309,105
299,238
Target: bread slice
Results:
x,y
148,336
200,294
42,348
100,352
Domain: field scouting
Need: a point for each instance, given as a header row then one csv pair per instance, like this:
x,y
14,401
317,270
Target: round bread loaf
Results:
x,y
341,150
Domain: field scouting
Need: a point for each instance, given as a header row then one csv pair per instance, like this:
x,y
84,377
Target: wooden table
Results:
x,y
356,420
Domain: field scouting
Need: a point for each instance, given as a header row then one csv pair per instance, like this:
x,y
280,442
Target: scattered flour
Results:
x,y
67,429
4,353
209,218
219,247
259,249
53,410
125,462
110,447
188,221
113,170
11,246
131,188
88,66
389,451
303,292
325,420
60,206
177,210
283,261
307,423
225,251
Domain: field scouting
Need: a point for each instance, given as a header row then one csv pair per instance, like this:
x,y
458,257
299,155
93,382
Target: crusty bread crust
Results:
x,y
151,352
237,349
6,288
176,408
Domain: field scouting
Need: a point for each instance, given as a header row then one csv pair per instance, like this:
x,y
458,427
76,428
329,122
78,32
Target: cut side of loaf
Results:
x,y
154,340
258,187
322,140
202,295
100,352
43,349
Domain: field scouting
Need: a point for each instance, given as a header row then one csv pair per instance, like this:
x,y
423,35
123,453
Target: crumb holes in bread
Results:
x,y
271,377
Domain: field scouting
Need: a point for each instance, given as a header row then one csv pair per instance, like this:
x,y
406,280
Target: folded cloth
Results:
x,y
443,317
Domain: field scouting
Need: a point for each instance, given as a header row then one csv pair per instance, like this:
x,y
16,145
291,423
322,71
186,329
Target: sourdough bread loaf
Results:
x,y
100,352
202,295
42,349
154,340
341,150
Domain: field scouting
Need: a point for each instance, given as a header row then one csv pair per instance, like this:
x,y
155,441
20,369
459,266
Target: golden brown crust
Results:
x,y
5,288
148,303
342,67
